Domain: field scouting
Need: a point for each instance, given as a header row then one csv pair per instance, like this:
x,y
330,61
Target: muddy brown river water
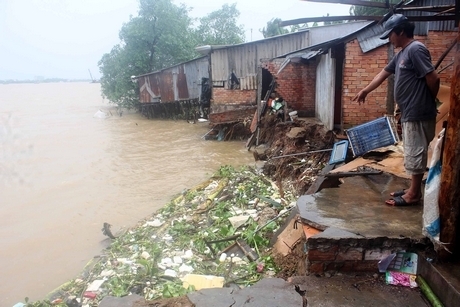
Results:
x,y
64,172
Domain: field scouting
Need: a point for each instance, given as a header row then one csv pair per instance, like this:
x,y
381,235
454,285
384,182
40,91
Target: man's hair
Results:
x,y
407,28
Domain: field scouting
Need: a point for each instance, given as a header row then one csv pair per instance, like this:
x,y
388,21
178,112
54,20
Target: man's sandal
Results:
x,y
400,202
398,193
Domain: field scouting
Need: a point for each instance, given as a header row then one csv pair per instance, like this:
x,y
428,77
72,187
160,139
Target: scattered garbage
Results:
x,y
293,115
339,152
400,269
209,236
95,285
199,282
101,114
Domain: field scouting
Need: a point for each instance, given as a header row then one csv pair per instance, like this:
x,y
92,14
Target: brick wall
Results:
x,y
296,84
350,254
438,42
222,95
240,114
232,105
360,68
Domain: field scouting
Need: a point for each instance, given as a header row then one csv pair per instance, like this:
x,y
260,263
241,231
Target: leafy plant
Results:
x,y
150,41
119,285
226,171
174,289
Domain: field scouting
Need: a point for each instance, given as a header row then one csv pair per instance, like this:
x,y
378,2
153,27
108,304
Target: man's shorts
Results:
x,y
417,136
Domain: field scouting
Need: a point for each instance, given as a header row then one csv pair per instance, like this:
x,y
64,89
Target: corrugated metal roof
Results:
x,y
209,48
422,28
318,49
306,55
369,38
179,64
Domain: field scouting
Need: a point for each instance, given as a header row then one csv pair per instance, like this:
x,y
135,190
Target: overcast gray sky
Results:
x,y
65,38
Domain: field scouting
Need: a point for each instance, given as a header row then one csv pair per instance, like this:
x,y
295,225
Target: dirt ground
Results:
x,y
290,151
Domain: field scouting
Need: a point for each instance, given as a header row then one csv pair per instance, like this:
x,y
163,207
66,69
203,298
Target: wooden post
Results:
x,y
449,194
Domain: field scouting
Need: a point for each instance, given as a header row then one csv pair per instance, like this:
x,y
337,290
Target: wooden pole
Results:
x,y
449,194
390,106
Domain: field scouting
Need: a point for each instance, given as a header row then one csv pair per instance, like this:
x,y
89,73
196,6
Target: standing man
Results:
x,y
415,89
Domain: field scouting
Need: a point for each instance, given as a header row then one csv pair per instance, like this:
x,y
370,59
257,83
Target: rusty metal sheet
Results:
x,y
182,84
179,82
166,87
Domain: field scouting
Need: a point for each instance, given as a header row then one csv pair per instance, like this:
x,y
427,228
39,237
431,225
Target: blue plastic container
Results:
x,y
339,152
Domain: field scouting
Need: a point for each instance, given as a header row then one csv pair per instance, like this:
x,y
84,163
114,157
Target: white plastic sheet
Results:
x,y
100,114
431,222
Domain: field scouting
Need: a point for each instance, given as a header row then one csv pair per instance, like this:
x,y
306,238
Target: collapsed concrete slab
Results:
x,y
355,229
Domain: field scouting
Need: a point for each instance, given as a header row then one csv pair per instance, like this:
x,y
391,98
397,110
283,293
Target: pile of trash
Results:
x,y
214,235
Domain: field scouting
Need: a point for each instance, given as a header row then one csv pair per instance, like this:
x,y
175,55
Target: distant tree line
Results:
x,y
160,36
163,34
45,80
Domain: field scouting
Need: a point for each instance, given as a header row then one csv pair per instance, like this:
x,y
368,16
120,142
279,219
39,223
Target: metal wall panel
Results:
x,y
325,90
244,59
180,82
149,89
194,72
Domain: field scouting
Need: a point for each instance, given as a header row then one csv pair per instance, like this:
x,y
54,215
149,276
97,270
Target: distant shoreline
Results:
x,y
51,80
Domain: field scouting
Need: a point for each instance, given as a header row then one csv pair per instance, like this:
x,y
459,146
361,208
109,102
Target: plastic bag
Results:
x,y
431,222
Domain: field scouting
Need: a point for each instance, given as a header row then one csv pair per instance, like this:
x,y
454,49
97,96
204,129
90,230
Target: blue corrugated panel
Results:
x,y
371,135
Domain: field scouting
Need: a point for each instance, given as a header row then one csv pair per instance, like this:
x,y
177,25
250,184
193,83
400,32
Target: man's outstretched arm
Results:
x,y
378,79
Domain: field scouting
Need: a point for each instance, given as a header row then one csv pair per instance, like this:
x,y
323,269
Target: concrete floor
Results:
x,y
356,290
358,206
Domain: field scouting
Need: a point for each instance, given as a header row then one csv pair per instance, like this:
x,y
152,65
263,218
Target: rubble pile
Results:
x,y
295,151
214,235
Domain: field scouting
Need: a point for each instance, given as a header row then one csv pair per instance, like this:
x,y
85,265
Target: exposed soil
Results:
x,y
292,264
291,151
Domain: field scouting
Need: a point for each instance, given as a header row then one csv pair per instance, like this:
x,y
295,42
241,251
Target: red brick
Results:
x,y
322,254
376,254
350,254
315,268
365,266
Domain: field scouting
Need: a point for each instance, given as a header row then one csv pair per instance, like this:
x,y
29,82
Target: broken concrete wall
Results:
x,y
223,96
360,68
296,84
227,114
350,254
231,105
